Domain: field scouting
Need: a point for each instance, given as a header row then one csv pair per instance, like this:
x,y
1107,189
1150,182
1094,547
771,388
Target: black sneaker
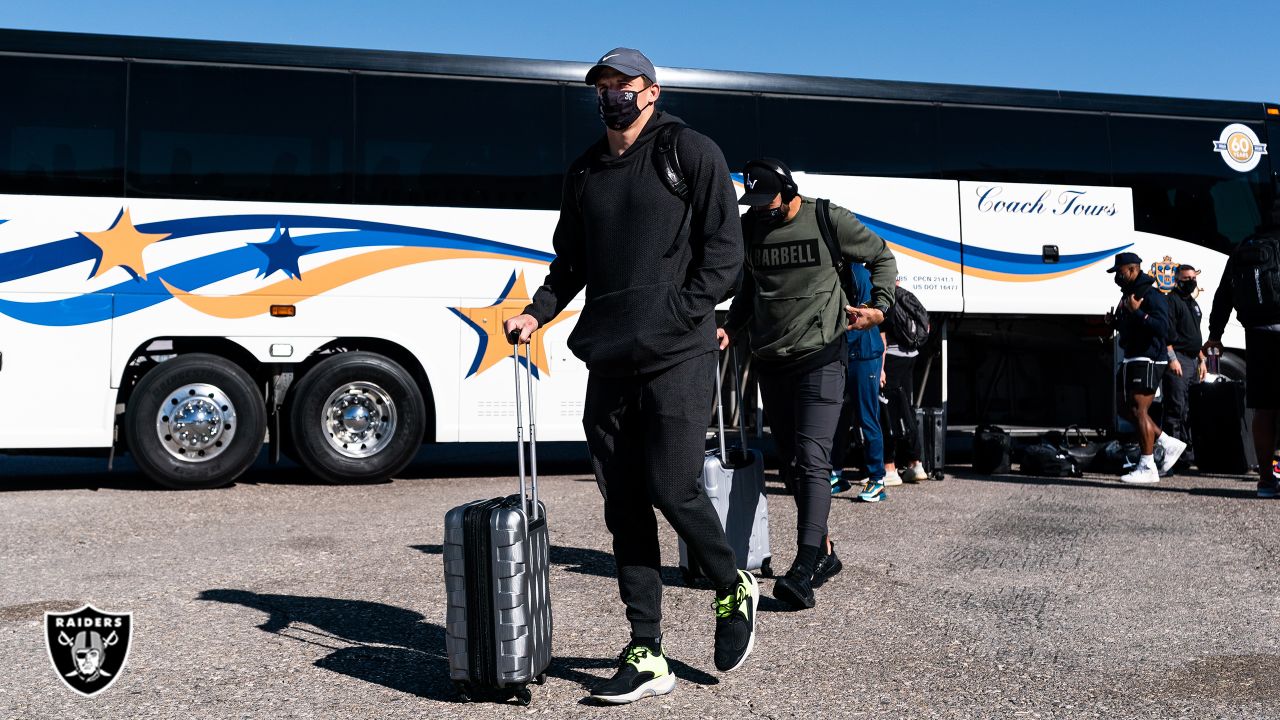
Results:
x,y
795,589
1268,488
643,672
736,623
827,567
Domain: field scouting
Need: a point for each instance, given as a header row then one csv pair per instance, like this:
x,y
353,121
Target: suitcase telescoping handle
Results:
x,y
737,393
531,511
739,398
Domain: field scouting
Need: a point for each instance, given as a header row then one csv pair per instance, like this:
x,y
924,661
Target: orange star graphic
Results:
x,y
122,246
487,322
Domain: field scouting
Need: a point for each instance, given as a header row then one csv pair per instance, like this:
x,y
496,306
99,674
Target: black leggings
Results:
x,y
804,409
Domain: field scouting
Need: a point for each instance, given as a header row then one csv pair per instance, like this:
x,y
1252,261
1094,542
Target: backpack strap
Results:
x,y
667,158
822,210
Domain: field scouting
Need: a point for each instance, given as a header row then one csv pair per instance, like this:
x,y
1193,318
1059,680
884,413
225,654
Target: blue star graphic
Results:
x,y
282,254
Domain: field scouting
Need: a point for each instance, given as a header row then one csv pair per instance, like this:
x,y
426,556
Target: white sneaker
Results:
x,y
915,473
1173,449
1142,475
893,478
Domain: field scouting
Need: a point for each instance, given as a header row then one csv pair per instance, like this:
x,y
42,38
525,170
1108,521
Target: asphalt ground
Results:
x,y
973,597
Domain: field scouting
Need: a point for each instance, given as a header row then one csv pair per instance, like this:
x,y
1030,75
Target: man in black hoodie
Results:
x,y
1142,321
654,267
1251,286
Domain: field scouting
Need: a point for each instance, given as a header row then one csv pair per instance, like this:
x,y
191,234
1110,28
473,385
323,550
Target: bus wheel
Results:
x,y
356,417
196,421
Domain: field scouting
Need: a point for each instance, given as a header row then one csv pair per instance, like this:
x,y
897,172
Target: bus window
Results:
x,y
62,127
1181,187
1029,146
727,118
851,137
239,133
461,143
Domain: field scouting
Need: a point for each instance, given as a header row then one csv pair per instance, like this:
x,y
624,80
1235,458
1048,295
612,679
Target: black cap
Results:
x,y
626,61
1125,258
764,179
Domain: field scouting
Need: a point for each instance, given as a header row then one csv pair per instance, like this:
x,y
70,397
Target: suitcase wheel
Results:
x,y
463,690
523,696
766,567
541,679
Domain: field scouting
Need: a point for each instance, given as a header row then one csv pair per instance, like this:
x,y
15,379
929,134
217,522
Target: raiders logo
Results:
x,y
88,647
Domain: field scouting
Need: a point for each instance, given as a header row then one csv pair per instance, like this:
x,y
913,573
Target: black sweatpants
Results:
x,y
804,409
647,437
1176,390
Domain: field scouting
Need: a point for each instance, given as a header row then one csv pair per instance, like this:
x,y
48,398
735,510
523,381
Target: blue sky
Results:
x,y
1172,47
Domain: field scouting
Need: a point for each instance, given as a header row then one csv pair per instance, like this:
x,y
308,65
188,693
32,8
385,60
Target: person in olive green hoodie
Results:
x,y
793,303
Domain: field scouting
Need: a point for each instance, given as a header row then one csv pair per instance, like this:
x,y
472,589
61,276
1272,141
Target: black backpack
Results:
x,y
908,321
991,448
1255,276
1048,460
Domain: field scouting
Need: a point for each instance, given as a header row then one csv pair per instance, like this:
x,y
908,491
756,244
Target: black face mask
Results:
x,y
1186,287
772,217
1122,283
618,108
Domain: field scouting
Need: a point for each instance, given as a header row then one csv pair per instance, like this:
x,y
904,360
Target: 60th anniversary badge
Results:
x,y
88,647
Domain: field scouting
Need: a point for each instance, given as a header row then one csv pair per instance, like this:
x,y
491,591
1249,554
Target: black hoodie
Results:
x,y
1144,332
654,268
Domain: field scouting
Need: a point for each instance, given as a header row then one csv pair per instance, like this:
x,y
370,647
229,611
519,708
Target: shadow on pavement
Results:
x,y
1242,490
373,642
570,668
490,459
446,460
575,560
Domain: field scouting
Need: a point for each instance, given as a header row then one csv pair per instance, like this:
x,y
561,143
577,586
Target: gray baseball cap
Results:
x,y
626,61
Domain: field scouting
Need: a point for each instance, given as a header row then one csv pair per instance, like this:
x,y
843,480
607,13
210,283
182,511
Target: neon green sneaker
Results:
x,y
643,672
736,623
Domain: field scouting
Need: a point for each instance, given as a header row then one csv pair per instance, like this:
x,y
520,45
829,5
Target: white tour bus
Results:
x,y
205,244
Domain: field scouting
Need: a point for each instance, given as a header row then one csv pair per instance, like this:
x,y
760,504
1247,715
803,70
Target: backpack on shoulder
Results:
x,y
908,321
1255,275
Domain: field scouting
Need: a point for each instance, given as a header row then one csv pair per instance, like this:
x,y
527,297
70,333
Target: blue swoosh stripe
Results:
x,y
29,261
134,295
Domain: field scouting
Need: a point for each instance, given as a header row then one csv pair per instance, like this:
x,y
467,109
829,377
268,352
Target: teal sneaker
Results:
x,y
736,622
873,491
643,672
838,483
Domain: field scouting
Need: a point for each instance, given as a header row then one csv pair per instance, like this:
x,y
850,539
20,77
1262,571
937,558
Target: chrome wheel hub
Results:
x,y
196,423
359,419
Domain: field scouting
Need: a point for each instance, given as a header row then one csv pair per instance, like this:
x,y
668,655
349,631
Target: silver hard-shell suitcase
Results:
x,y
496,571
734,480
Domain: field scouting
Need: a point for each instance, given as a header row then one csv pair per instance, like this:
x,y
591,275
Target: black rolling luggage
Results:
x,y
931,423
1218,428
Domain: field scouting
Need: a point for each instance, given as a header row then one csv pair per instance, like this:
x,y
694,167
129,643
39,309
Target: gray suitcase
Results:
x,y
496,571
734,480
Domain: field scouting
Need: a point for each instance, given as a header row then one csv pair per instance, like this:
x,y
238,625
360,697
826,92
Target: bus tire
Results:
x,y
356,417
194,422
